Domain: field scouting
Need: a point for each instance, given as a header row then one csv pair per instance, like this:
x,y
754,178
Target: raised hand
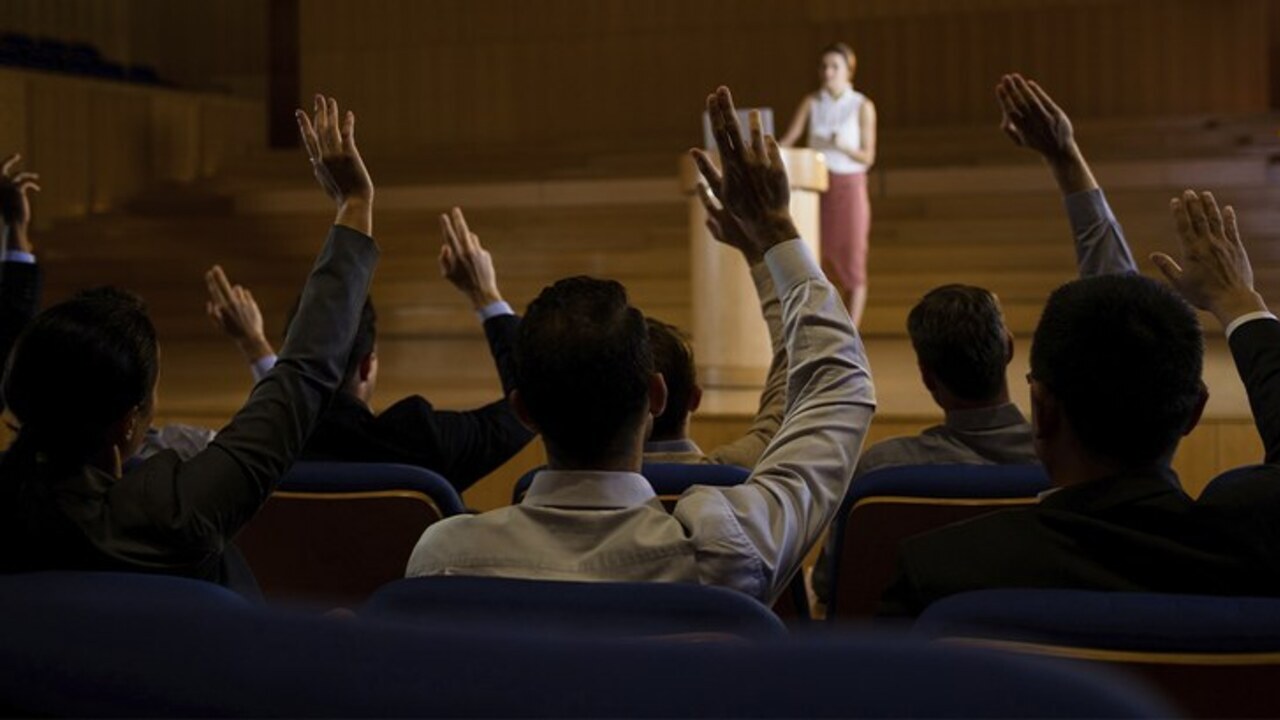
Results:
x,y
15,202
1032,119
725,227
754,185
233,310
331,146
1215,274
465,263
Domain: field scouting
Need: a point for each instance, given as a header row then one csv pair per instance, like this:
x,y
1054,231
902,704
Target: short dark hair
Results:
x,y
583,367
1123,355
78,367
365,340
959,336
673,357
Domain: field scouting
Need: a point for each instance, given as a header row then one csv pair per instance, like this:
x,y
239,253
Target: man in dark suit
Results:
x,y
81,384
462,446
20,277
1115,384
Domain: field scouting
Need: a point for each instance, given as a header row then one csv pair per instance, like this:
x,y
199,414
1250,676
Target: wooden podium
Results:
x,y
730,338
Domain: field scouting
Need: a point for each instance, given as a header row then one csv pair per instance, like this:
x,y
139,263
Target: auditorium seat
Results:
x,y
598,609
1212,656
90,660
62,592
669,480
886,506
332,533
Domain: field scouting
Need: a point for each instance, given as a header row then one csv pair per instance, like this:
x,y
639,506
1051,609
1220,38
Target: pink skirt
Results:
x,y
846,223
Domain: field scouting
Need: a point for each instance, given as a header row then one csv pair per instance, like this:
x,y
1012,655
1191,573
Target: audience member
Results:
x,y
1115,383
586,380
20,277
673,357
81,383
963,346
461,446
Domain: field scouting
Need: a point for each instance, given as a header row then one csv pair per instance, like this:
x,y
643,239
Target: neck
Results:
x,y
627,456
950,403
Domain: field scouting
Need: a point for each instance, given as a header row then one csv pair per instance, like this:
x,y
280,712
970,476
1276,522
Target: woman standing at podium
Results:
x,y
842,126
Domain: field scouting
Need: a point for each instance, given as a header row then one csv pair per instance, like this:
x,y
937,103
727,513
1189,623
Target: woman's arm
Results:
x,y
867,123
798,121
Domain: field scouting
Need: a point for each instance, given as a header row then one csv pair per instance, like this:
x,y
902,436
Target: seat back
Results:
x,y
1213,656
600,609
886,506
96,661
669,480
332,533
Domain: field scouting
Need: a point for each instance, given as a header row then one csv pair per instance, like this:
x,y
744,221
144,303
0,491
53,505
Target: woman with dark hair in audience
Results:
x,y
842,126
82,384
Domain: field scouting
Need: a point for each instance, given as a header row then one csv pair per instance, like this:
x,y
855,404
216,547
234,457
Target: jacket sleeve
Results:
x,y
1255,347
1099,240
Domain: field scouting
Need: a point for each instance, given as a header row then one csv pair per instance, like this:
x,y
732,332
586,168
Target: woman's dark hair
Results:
x,y
844,51
77,368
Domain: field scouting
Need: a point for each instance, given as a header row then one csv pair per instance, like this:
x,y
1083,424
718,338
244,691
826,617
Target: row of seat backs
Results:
x,y
1213,656
90,644
19,50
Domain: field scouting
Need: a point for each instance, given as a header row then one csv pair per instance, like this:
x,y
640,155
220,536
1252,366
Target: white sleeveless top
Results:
x,y
830,115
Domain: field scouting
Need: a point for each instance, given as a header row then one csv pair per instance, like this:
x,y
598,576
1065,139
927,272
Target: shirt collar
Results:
x,y
1103,493
987,418
683,445
588,490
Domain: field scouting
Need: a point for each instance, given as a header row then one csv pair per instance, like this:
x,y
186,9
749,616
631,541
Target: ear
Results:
x,y
929,380
695,398
657,394
1198,413
1008,347
522,411
1046,412
367,363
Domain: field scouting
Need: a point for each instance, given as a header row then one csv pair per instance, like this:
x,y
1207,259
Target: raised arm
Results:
x,y
1033,120
219,489
798,122
1215,275
19,275
233,310
746,450
804,472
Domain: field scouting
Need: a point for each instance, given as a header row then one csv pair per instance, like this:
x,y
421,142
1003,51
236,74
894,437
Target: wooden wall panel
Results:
x,y
630,74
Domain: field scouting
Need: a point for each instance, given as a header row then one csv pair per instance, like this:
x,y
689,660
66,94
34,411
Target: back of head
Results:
x,y
673,357
959,336
583,368
77,368
365,341
1123,356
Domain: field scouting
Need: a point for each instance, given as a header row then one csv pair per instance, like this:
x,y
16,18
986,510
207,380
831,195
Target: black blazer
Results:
x,y
1136,532
20,285
168,516
461,446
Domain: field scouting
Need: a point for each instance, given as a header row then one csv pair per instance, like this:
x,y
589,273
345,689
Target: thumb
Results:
x,y
1168,267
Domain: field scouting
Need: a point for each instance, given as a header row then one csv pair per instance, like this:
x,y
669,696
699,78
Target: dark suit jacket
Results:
x,y
461,446
168,516
19,300
1137,532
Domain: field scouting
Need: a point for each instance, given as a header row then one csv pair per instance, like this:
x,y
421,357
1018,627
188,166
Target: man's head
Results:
x,y
361,374
962,346
585,375
82,377
1115,370
673,359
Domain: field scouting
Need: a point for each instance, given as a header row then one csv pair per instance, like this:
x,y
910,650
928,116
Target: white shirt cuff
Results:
x,y
493,310
1247,318
791,263
18,256
262,366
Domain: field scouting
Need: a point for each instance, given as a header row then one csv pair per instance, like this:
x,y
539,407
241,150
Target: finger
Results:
x,y
1182,221
724,125
25,176
321,119
222,285
451,238
11,163
1168,267
1032,103
1213,214
308,133
708,170
1044,98
215,291
704,194
446,260
335,126
349,129
1195,209
1232,229
775,152
757,134
250,299
27,186
460,225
